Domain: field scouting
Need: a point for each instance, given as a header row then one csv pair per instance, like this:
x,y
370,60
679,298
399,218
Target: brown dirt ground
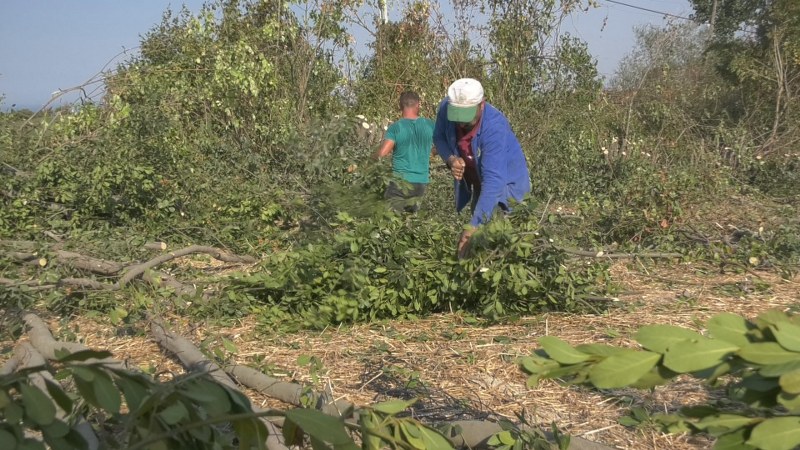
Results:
x,y
472,368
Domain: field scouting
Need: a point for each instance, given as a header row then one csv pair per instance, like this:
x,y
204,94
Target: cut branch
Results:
x,y
287,392
194,360
108,268
135,271
160,246
43,341
88,263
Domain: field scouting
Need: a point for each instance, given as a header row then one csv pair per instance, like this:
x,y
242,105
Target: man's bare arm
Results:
x,y
386,148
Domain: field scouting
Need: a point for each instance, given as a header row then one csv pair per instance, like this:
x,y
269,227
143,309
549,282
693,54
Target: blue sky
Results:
x,y
47,45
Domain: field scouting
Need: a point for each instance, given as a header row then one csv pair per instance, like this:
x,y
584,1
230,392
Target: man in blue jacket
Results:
x,y
476,141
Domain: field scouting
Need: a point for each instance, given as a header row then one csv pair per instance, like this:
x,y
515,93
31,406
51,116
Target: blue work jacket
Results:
x,y
502,168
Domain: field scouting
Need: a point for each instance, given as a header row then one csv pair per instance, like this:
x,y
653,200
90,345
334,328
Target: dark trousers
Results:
x,y
404,196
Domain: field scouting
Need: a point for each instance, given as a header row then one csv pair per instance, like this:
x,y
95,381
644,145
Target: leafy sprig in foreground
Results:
x,y
758,362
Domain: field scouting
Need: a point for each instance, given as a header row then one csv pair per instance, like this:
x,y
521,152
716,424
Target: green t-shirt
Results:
x,y
413,140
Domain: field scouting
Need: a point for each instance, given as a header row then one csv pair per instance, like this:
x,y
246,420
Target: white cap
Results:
x,y
464,96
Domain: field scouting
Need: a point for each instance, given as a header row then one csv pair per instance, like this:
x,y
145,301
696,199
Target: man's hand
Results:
x,y
456,167
463,242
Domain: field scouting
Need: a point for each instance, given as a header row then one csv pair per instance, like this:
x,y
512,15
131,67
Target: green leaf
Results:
x,y
319,444
393,407
628,421
712,374
561,351
623,369
733,441
83,372
767,353
756,382
506,438
690,356
86,389
773,317
412,435
13,412
84,355
239,402
292,433
730,327
698,411
599,349
5,400
657,376
790,382
252,433
659,338
776,370
210,395
7,440
434,440
536,364
788,335
30,444
174,413
790,401
753,397
134,389
780,433
368,421
229,346
723,423
106,393
37,405
320,426
58,395
57,429
74,440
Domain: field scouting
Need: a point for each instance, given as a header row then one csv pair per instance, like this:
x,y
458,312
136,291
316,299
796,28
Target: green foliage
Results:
x,y
191,411
386,266
525,79
758,363
524,437
176,414
407,55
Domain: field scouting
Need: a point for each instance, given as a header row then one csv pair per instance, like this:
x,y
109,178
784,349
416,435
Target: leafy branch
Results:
x,y
757,361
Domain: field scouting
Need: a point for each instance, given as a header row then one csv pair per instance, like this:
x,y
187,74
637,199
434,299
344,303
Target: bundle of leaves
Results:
x,y
389,266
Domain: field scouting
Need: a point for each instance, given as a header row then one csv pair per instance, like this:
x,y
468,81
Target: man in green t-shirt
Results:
x,y
410,141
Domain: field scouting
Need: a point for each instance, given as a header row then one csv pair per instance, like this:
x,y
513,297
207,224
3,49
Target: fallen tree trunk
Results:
x,y
43,341
194,361
88,263
134,271
108,268
474,433
191,358
291,393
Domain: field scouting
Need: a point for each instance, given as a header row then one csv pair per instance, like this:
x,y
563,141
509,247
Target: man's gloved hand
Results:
x,y
456,167
463,242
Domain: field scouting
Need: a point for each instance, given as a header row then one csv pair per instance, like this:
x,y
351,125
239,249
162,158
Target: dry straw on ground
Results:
x,y
466,371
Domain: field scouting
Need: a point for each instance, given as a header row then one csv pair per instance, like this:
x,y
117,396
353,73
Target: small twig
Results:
x,y
589,433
